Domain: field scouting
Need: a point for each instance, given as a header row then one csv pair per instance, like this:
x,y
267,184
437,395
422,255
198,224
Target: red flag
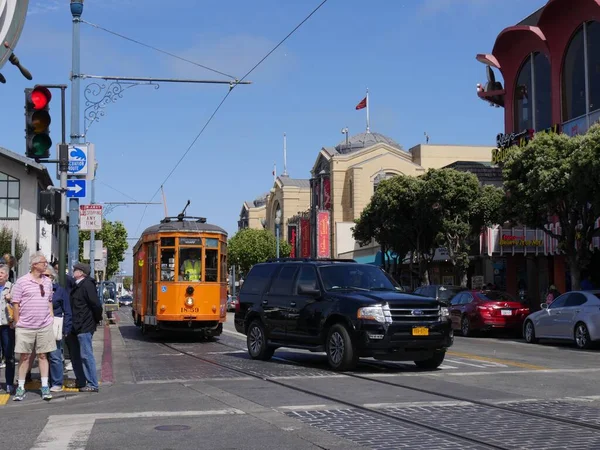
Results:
x,y
362,104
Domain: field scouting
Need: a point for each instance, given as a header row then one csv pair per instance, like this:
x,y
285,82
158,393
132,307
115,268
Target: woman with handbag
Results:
x,y
7,330
61,327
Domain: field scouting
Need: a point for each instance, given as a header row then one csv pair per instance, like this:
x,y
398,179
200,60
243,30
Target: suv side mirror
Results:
x,y
311,291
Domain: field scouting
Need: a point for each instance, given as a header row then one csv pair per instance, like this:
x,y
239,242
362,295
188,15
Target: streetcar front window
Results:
x,y
212,265
167,264
190,264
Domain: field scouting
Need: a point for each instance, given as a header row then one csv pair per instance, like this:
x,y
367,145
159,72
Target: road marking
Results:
x,y
312,407
495,360
235,333
446,366
194,380
226,353
72,431
4,398
300,377
512,372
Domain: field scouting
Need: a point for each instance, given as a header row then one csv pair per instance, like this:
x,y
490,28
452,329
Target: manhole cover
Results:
x,y
172,428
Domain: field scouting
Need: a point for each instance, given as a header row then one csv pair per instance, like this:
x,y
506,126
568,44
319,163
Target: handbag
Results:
x,y
10,312
57,327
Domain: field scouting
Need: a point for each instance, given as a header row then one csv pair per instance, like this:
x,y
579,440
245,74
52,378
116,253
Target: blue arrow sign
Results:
x,y
76,188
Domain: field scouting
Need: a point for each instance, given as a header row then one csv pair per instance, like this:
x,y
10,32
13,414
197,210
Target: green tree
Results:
x,y
398,220
127,283
464,207
114,237
249,246
6,243
557,175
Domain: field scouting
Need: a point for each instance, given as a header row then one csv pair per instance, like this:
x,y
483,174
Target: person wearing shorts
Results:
x,y
34,318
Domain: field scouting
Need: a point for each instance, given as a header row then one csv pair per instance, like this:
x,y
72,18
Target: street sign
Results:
x,y
98,245
76,188
78,159
90,217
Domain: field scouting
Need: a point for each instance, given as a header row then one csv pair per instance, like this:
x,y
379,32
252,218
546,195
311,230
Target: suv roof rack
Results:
x,y
310,260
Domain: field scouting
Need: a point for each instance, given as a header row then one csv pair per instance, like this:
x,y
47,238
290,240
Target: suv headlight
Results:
x,y
444,312
378,313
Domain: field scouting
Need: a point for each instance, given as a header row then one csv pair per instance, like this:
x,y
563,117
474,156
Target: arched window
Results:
x,y
9,197
592,31
380,177
573,78
533,109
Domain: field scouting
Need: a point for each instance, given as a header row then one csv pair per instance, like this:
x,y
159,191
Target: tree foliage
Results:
x,y
127,281
249,246
443,208
114,237
557,175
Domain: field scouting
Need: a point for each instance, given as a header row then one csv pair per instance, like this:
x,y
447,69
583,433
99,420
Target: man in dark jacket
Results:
x,y
87,312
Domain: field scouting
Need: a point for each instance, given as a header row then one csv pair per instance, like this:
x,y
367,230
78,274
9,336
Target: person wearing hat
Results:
x,y
86,313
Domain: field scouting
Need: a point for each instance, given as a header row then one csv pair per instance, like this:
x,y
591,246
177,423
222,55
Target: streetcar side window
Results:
x,y
212,265
167,264
223,262
190,263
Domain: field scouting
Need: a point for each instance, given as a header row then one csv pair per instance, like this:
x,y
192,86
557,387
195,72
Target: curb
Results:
x,y
107,376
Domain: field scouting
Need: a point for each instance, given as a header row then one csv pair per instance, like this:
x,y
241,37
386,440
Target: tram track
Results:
x,y
350,404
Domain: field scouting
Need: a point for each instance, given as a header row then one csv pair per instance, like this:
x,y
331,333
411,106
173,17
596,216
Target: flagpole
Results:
x,y
274,172
368,105
284,155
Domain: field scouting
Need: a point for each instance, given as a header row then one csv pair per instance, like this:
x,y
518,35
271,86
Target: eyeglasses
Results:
x,y
42,292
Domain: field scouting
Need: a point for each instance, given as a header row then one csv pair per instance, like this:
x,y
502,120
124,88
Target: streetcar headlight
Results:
x,y
189,301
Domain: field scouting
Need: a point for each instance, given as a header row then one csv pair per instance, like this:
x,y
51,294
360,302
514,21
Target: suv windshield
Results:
x,y
356,277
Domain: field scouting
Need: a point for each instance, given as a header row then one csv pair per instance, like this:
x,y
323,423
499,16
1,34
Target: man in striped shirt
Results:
x,y
34,317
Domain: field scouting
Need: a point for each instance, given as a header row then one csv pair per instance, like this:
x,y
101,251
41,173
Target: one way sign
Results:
x,y
76,188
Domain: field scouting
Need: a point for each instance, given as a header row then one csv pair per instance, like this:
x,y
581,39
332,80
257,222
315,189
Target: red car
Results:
x,y
485,310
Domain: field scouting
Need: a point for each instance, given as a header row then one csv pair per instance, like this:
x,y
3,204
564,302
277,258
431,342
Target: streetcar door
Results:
x,y
151,287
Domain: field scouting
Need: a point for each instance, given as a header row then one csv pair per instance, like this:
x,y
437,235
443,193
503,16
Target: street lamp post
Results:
x,y
277,225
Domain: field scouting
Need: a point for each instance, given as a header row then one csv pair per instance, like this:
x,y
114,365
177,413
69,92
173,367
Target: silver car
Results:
x,y
573,316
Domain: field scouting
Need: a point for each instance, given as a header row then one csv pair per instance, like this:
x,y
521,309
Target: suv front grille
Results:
x,y
415,314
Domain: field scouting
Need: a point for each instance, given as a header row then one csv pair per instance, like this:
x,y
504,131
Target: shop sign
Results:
x,y
304,238
323,235
519,241
292,239
505,141
327,193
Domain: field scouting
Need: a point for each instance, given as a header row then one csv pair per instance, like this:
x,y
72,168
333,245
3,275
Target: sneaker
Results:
x,y
2,365
20,394
56,388
88,389
10,390
69,366
46,395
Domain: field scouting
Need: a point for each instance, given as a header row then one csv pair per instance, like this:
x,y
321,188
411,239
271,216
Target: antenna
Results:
x,y
181,215
284,155
164,200
426,137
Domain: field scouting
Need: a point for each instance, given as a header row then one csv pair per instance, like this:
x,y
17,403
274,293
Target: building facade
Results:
x,y
551,75
253,214
21,180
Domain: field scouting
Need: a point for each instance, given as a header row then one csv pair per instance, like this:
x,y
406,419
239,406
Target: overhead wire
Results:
x,y
232,87
157,49
116,190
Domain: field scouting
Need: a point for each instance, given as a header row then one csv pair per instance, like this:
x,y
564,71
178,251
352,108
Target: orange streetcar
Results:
x,y
180,277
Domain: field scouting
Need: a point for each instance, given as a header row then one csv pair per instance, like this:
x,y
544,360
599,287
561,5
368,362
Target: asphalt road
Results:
x,y
180,392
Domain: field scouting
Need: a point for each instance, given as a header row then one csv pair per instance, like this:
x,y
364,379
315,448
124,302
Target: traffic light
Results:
x,y
49,206
37,122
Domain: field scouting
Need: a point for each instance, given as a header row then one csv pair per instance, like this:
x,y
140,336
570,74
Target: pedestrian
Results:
x,y
553,293
87,312
62,327
587,284
11,262
69,284
7,330
33,315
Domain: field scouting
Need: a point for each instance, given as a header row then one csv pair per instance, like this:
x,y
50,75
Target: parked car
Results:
x,y
573,316
345,309
486,310
440,292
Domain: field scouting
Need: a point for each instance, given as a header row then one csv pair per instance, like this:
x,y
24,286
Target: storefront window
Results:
x,y
190,259
543,92
593,51
523,98
573,79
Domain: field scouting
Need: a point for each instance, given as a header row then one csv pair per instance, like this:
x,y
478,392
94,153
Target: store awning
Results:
x,y
376,259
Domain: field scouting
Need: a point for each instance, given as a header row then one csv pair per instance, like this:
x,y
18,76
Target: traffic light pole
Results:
x,y
76,11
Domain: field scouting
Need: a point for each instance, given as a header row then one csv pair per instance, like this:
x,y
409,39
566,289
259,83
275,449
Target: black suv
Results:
x,y
340,307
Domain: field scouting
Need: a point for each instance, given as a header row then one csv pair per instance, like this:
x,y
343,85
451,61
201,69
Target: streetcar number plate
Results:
x,y
190,310
420,331
506,312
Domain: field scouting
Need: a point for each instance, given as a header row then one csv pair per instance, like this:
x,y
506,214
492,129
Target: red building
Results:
x,y
550,63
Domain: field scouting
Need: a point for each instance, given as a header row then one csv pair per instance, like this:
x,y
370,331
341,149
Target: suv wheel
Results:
x,y
256,340
433,362
339,348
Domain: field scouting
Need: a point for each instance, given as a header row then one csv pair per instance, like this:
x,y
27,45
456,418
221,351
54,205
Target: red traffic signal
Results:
x,y
40,97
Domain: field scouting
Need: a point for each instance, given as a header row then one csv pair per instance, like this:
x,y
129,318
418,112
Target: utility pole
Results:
x,y
76,11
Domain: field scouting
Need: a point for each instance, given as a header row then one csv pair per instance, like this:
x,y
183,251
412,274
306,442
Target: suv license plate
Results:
x,y
420,331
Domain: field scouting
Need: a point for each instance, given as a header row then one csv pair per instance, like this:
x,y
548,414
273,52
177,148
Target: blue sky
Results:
x,y
417,57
